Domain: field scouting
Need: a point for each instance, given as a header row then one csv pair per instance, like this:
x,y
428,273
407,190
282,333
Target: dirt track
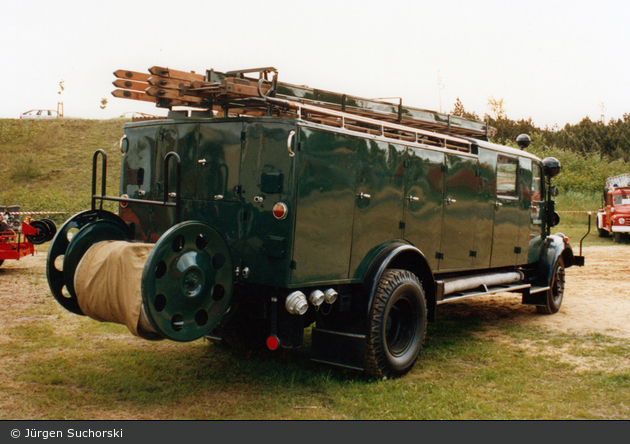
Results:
x,y
596,298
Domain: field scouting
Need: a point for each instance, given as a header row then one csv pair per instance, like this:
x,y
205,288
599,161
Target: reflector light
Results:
x,y
124,204
272,342
280,211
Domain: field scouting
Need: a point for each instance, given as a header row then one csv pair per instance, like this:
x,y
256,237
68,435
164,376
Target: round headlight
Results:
x,y
621,221
551,166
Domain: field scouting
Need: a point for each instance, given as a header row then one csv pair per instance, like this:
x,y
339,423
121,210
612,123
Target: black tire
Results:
x,y
602,233
556,292
617,237
1,262
398,325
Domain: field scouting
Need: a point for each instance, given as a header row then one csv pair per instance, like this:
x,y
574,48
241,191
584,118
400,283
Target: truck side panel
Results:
x,y
424,200
377,218
326,183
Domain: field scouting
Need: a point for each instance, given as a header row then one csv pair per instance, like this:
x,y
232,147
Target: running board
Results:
x,y
531,295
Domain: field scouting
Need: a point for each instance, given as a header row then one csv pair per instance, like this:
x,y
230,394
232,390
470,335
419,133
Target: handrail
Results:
x,y
103,177
164,202
178,185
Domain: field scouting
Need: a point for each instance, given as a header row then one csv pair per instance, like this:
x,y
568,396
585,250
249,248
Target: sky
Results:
x,y
553,61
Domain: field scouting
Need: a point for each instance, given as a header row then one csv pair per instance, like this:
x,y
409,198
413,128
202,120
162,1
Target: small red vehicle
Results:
x,y
614,216
18,238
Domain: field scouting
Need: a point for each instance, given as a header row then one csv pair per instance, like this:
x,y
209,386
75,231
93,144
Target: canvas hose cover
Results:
x,y
107,283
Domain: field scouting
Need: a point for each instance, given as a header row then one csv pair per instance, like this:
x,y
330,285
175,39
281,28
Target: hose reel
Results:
x,y
57,261
187,281
180,292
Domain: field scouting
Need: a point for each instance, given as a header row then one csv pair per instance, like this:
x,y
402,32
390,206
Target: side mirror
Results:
x,y
551,167
554,191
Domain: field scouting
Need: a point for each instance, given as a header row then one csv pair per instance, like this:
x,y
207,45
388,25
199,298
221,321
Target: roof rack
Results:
x,y
620,181
233,93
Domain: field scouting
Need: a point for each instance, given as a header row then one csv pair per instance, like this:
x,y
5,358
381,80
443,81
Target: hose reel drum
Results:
x,y
181,292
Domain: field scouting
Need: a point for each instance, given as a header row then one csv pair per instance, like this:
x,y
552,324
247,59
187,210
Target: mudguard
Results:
x,y
402,255
554,246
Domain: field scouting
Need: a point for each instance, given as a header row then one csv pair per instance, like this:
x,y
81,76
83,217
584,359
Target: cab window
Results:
x,y
537,190
507,168
621,199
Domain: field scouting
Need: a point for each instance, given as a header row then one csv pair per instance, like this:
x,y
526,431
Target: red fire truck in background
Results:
x,y
614,216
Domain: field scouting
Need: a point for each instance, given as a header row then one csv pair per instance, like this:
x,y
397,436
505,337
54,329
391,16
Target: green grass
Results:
x,y
89,370
47,165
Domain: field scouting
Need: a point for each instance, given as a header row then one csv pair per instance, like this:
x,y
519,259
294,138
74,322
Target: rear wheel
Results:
x,y
555,293
398,325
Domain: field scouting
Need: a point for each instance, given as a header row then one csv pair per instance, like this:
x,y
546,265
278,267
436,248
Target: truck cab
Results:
x,y
614,215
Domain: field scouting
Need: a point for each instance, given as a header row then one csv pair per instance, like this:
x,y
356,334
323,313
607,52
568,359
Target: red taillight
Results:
x,y
280,211
124,204
272,342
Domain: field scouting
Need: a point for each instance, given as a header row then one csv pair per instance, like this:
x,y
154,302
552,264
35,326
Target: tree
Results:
x,y
496,107
460,111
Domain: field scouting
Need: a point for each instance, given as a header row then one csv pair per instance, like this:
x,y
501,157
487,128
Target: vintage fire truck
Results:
x,y
270,208
614,215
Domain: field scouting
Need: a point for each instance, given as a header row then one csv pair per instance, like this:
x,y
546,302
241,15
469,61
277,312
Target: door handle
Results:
x,y
289,143
364,196
413,199
450,201
202,161
498,204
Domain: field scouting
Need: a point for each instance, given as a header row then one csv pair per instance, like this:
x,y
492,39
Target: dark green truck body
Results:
x,y
450,205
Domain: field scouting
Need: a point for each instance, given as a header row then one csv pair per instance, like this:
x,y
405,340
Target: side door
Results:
x,y
218,161
460,212
378,210
266,176
325,186
486,199
507,212
526,206
424,202
536,214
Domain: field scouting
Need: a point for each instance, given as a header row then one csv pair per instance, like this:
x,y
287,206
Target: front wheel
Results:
x,y
555,293
398,325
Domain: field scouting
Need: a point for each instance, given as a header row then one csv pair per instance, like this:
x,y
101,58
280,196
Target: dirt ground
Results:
x,y
596,298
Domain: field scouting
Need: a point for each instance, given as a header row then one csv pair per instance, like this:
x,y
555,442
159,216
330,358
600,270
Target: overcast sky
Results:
x,y
554,61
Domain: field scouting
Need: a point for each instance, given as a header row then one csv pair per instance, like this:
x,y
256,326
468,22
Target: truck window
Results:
x,y
537,195
621,199
506,176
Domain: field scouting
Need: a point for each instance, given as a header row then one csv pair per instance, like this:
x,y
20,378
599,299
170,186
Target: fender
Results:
x,y
396,254
554,246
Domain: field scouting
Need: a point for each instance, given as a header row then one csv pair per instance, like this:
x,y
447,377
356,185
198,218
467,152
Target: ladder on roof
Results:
x,y
234,93
622,180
